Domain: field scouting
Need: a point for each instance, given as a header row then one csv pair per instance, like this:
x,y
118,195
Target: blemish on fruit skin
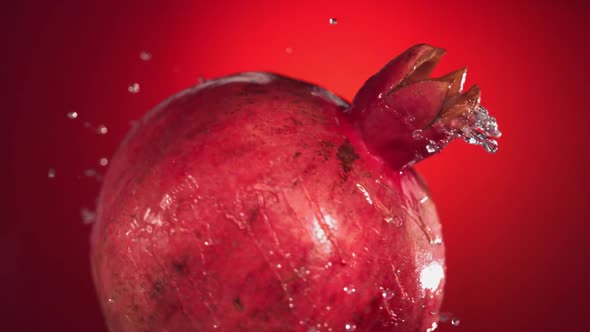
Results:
x,y
180,267
347,156
297,154
238,304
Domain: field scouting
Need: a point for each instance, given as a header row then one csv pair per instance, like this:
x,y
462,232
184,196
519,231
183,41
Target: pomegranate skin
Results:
x,y
249,203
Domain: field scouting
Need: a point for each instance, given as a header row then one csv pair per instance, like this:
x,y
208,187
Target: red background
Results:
x,y
516,223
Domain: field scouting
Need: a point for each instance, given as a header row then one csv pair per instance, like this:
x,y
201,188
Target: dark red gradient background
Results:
x,y
516,224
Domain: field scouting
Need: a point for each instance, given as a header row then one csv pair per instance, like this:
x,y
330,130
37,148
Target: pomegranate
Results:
x,y
256,202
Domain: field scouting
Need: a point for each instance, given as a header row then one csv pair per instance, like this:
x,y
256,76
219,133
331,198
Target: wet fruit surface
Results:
x,y
242,204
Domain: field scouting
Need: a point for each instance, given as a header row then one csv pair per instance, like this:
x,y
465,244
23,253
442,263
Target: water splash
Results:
x,y
481,129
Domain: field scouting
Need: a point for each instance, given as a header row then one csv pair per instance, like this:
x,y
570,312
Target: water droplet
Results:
x,y
72,115
437,240
111,300
333,21
279,266
387,294
349,289
395,220
481,129
206,243
418,134
51,173
102,130
350,327
88,216
432,147
103,161
432,328
133,88
145,56
455,322
289,50
291,304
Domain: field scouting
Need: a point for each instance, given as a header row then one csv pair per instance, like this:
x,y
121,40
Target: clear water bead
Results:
x,y
333,21
72,115
103,161
455,322
133,88
51,173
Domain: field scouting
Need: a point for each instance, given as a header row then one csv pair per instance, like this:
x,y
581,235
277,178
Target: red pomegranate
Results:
x,y
256,202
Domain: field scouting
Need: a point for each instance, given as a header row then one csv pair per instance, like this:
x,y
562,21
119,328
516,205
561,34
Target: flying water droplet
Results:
x,y
88,216
333,21
145,56
102,130
90,172
455,322
51,173
134,88
72,115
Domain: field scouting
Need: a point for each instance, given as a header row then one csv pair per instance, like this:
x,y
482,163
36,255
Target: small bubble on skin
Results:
x,y
145,56
350,327
349,289
455,322
133,88
51,173
387,294
417,134
333,21
72,115
103,161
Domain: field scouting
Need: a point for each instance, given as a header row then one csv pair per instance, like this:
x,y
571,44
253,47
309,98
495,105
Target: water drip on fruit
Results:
x,y
481,129
333,21
72,115
51,173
